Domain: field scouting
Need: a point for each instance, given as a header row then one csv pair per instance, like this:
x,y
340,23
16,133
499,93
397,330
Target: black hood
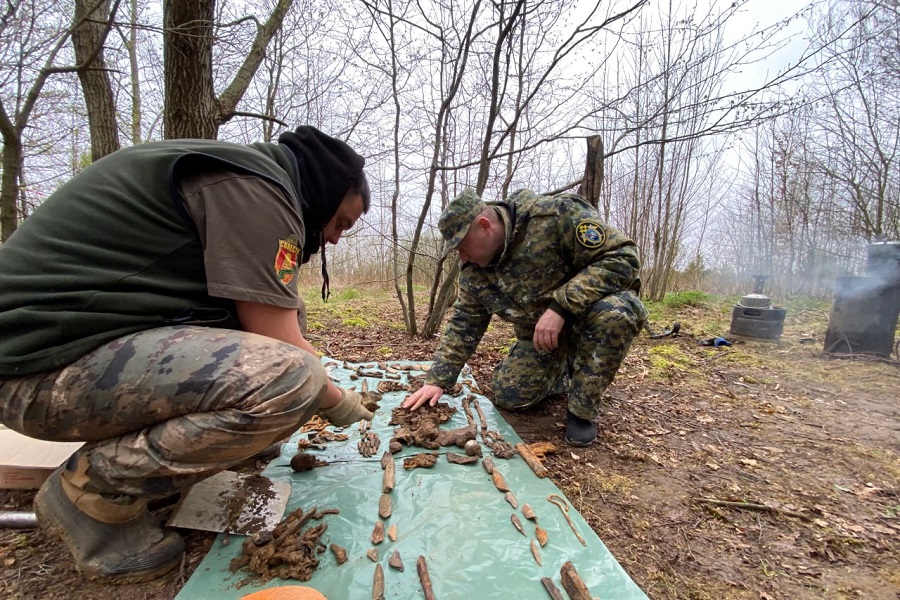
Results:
x,y
326,167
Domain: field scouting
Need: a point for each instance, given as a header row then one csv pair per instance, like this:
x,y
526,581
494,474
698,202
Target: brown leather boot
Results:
x,y
112,541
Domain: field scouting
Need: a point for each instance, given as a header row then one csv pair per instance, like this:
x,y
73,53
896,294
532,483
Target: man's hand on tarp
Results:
x,y
429,393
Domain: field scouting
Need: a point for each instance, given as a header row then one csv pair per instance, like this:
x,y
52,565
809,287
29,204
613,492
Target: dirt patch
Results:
x,y
811,443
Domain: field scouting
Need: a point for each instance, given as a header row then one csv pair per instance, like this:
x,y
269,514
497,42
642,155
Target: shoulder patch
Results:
x,y
286,260
590,233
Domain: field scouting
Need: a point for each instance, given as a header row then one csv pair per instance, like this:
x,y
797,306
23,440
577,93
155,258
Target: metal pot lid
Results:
x,y
756,301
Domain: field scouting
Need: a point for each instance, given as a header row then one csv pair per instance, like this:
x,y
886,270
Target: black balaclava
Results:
x,y
326,166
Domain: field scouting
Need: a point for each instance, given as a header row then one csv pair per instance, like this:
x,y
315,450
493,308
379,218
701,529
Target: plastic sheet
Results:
x,y
453,515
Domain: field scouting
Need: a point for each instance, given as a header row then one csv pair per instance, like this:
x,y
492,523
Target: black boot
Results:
x,y
579,432
110,541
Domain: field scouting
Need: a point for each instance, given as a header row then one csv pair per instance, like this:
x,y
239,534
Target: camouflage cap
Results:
x,y
458,216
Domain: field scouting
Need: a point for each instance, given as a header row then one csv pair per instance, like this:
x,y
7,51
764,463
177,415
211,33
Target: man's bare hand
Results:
x,y
546,332
427,393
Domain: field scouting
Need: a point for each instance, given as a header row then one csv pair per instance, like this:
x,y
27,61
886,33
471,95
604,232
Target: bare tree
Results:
x,y
496,68
91,25
661,135
859,132
193,110
37,37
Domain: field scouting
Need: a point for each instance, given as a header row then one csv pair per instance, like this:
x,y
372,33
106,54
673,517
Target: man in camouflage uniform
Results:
x,y
566,281
149,308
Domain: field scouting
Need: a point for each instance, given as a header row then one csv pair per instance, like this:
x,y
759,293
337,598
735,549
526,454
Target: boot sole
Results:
x,y
578,444
49,523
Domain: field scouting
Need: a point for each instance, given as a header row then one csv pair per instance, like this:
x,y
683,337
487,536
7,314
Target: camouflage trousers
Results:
x,y
590,353
165,408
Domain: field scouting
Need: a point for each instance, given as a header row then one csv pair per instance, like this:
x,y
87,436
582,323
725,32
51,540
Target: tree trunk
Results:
x,y
191,109
593,171
9,188
88,38
137,128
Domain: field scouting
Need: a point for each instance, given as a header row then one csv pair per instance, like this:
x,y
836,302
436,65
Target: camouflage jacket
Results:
x,y
558,255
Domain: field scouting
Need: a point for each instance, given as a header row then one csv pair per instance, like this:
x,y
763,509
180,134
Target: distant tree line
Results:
x,y
652,113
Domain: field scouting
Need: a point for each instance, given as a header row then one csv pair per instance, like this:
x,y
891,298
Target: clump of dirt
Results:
x,y
252,497
286,552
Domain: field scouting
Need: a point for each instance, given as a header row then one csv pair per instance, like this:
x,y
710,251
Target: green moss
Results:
x,y
354,322
667,360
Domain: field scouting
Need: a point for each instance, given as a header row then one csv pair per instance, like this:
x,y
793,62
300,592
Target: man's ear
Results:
x,y
483,223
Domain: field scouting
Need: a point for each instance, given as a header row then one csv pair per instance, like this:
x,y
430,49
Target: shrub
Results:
x,y
349,294
686,298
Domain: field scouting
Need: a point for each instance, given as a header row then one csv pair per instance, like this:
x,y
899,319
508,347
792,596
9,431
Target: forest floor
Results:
x,y
763,470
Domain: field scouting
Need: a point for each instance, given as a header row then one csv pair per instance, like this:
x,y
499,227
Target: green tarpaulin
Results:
x,y
453,515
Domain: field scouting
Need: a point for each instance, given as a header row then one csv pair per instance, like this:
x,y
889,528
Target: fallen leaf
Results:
x,y
869,491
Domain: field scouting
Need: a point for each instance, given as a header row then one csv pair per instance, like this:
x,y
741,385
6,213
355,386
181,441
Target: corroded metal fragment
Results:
x,y
389,467
378,584
518,524
541,536
499,482
536,553
528,513
340,554
536,465
460,459
573,583
378,533
424,578
384,506
395,561
425,460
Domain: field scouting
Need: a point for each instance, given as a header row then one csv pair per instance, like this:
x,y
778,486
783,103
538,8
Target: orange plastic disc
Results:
x,y
286,592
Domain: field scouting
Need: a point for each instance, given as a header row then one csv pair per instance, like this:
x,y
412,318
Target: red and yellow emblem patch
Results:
x,y
286,260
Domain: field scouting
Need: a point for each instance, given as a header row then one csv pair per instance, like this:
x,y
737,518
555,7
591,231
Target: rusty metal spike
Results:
x,y
536,553
528,513
541,536
518,524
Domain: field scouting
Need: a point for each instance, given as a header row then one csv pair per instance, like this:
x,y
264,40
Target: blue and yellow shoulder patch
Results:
x,y
590,233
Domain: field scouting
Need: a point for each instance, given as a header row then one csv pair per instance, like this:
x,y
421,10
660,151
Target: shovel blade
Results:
x,y
234,503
